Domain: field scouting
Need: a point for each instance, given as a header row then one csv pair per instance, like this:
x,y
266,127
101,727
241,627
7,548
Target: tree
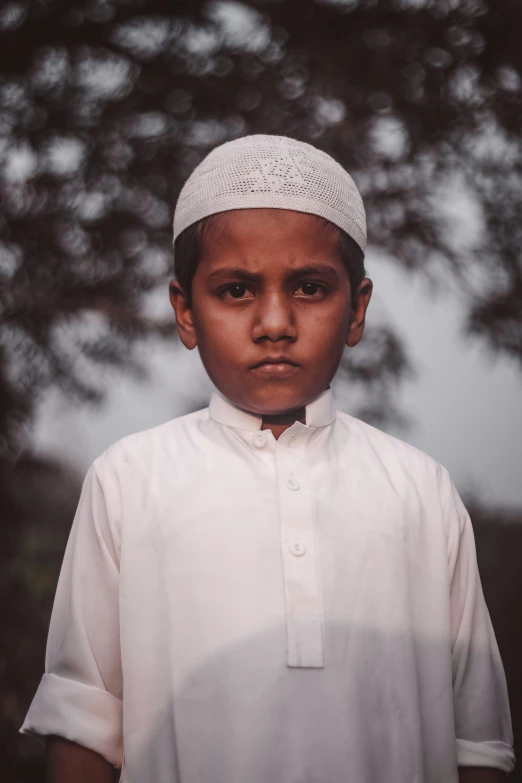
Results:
x,y
107,106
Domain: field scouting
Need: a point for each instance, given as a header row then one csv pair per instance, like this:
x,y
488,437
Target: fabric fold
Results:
x,y
81,713
491,753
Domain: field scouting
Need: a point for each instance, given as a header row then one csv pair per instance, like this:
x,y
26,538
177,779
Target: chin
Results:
x,y
273,400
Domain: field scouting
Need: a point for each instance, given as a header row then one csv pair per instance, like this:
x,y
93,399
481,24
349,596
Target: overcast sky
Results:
x,y
465,404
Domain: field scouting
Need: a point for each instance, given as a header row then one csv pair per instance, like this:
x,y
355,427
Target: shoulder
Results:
x,y
141,447
413,475
383,443
395,456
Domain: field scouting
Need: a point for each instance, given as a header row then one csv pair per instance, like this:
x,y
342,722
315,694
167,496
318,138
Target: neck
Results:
x,y
280,422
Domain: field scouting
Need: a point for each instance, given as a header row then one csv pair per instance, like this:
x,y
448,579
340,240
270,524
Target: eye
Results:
x,y
236,291
310,289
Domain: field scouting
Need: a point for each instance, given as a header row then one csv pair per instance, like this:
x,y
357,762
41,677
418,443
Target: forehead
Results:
x,y
256,231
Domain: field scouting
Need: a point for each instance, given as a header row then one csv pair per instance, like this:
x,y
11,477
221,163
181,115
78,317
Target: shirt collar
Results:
x,y
319,413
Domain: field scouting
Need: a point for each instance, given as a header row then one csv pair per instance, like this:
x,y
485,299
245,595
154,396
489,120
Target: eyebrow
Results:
x,y
237,272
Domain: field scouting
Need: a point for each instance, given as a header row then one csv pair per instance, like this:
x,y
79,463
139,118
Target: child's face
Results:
x,y
270,286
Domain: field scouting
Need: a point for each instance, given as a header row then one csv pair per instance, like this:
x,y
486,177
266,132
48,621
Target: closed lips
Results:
x,y
280,360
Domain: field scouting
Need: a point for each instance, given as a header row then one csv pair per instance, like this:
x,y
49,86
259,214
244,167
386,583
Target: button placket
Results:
x,y
292,483
259,439
299,556
297,548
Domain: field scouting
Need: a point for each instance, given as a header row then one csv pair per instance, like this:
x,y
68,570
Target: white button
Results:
x,y
292,482
297,548
260,439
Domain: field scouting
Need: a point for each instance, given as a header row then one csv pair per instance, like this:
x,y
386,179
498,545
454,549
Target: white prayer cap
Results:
x,y
272,171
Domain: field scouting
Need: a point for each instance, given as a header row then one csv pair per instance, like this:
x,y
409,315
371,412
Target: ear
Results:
x,y
358,314
184,319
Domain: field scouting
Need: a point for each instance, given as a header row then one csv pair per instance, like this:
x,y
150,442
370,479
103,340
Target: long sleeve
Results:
x,y
80,695
481,706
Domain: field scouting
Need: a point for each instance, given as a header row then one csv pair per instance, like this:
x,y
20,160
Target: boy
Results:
x,y
268,590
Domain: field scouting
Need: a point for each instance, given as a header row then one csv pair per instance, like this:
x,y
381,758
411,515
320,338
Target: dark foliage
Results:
x,y
42,498
498,538
107,106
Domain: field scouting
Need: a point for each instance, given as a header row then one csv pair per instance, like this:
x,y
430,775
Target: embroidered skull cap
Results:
x,y
276,172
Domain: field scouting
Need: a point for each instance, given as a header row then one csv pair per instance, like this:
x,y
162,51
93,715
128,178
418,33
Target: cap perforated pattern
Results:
x,y
272,171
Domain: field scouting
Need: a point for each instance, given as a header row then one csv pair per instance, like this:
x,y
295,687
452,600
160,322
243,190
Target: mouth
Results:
x,y
280,366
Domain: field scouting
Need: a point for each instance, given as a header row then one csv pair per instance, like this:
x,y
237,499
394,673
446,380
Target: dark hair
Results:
x,y
187,252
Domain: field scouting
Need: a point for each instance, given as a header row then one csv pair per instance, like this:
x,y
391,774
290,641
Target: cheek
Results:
x,y
326,324
220,335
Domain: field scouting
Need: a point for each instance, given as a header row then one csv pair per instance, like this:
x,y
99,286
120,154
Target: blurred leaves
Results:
x,y
498,537
39,499
107,106
372,377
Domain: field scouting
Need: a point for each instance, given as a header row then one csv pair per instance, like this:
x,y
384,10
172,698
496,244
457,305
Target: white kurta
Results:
x,y
234,608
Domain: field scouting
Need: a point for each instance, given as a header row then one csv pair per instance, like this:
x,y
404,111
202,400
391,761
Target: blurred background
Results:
x,y
106,107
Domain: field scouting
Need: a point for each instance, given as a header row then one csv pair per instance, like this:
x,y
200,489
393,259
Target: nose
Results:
x,y
274,318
